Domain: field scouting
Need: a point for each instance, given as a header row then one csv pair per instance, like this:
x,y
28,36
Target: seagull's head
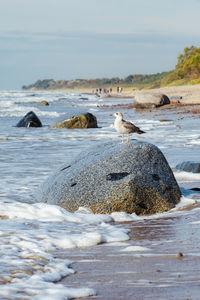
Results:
x,y
118,115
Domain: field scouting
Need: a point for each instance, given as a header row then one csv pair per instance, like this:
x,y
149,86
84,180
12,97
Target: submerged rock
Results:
x,y
113,177
149,100
87,120
189,166
29,120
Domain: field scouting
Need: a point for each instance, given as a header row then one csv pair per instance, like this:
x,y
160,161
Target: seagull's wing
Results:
x,y
131,127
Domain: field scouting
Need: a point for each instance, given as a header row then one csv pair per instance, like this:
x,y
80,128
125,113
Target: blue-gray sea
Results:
x,y
31,233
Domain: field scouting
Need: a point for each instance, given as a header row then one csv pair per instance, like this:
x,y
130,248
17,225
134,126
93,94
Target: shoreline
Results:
x,y
190,94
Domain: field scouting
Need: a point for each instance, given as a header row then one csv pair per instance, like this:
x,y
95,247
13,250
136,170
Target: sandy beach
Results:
x,y
190,93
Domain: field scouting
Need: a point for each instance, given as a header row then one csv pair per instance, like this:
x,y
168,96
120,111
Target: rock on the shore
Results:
x,y
150,100
189,166
29,120
114,177
87,120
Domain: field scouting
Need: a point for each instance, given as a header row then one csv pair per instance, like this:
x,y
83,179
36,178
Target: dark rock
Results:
x,y
81,121
148,101
180,255
43,103
195,189
189,166
29,120
113,177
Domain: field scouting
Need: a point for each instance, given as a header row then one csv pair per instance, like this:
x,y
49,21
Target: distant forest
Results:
x,y
187,71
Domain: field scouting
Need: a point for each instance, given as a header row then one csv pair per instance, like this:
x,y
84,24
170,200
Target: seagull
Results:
x,y
125,127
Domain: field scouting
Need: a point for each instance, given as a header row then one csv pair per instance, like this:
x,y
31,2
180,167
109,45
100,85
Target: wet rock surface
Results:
x,y
189,166
43,103
150,100
29,120
81,121
114,177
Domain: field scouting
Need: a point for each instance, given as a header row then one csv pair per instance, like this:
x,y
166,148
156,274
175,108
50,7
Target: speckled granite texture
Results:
x,y
131,177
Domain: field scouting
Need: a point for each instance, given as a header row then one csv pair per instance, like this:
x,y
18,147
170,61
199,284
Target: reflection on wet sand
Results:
x,y
167,267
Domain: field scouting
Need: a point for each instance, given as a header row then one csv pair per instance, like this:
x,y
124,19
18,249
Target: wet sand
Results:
x,y
168,269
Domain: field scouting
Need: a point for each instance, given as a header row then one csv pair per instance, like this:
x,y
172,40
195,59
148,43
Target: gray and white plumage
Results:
x,y
125,127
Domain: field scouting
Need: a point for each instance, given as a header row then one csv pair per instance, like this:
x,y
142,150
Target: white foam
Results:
x,y
187,176
135,249
196,141
30,236
49,213
19,111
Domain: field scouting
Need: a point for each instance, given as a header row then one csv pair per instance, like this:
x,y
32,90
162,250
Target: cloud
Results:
x,y
76,37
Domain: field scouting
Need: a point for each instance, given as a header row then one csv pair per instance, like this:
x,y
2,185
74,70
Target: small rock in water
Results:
x,y
165,120
29,120
82,121
43,103
180,255
83,98
195,189
189,166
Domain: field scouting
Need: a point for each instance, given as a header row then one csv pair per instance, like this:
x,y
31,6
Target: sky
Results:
x,y
70,39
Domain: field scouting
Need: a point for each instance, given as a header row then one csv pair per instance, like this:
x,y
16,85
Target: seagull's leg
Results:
x,y
128,139
122,142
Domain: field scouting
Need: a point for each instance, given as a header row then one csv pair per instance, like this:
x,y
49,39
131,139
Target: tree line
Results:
x,y
186,70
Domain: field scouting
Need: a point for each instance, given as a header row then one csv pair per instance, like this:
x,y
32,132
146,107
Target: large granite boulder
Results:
x,y
189,166
150,100
114,177
87,120
29,120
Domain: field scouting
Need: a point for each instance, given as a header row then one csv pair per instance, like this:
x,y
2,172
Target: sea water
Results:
x,y
31,233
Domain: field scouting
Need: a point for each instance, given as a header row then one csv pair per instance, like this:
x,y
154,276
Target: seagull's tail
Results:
x,y
141,131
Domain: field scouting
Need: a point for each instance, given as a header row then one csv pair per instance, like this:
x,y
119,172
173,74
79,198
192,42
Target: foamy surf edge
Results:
x,y
124,217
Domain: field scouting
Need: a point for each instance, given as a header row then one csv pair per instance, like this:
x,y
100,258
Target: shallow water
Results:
x,y
35,235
